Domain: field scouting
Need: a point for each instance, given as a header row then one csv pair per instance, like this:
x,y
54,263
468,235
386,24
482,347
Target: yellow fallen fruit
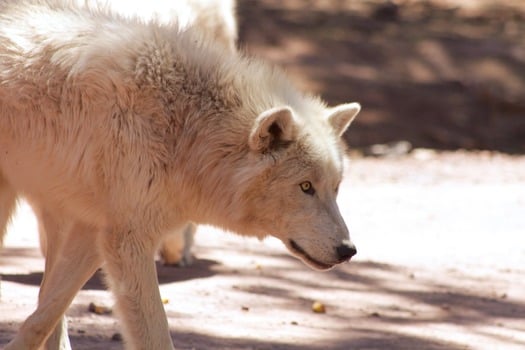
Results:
x,y
318,307
165,300
99,309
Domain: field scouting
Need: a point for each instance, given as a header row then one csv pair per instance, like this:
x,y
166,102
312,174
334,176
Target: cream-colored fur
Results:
x,y
216,20
118,131
213,18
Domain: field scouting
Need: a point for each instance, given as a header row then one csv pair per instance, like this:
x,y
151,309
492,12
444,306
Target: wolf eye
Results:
x,y
307,188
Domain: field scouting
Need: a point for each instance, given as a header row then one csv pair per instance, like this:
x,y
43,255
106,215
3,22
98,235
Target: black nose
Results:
x,y
345,251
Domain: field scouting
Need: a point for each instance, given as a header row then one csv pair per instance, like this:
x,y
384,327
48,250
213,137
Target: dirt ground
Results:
x,y
440,265
441,257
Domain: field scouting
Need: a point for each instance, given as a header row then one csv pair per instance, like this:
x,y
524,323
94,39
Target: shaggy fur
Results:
x,y
118,131
212,18
216,20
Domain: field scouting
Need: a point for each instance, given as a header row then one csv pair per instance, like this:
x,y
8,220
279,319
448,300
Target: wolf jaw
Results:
x,y
305,257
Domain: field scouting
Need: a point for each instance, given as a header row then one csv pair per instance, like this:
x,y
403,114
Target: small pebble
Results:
x,y
116,337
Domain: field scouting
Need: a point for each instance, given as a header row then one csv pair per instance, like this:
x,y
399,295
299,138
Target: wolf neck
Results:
x,y
197,72
214,97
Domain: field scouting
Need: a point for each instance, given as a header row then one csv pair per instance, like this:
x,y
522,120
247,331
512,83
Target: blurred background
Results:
x,y
441,74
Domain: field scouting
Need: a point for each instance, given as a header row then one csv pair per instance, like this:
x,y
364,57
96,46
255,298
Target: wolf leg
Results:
x,y
130,266
176,246
7,206
71,258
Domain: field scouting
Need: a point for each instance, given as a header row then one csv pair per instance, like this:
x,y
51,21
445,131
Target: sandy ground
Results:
x,y
440,266
440,236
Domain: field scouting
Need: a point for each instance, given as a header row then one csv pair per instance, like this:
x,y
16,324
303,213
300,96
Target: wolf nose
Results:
x,y
345,251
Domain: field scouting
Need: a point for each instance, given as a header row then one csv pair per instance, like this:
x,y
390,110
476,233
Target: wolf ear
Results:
x,y
273,129
341,116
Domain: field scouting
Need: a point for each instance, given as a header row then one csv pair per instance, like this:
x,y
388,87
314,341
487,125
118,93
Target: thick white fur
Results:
x,y
214,19
118,131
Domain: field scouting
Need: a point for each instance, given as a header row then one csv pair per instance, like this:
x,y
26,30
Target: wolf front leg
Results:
x,y
132,276
71,258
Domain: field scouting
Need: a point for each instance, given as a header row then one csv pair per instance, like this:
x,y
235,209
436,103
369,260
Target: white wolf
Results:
x,y
214,19
118,131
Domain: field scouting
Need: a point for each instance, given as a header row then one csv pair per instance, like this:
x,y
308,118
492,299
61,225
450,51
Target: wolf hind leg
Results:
x,y
176,246
7,205
71,259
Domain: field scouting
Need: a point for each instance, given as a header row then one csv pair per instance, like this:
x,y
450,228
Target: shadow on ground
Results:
x,y
166,274
369,305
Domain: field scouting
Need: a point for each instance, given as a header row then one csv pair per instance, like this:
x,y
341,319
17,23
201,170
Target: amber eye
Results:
x,y
307,188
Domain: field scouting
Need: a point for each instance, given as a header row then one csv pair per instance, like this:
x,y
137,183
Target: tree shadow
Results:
x,y
460,305
202,268
291,286
370,304
364,340
417,302
201,340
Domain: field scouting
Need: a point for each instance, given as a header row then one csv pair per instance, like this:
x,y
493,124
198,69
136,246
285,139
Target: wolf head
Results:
x,y
253,154
293,197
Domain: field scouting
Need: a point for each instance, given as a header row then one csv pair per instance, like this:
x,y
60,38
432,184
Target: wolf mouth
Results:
x,y
297,249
